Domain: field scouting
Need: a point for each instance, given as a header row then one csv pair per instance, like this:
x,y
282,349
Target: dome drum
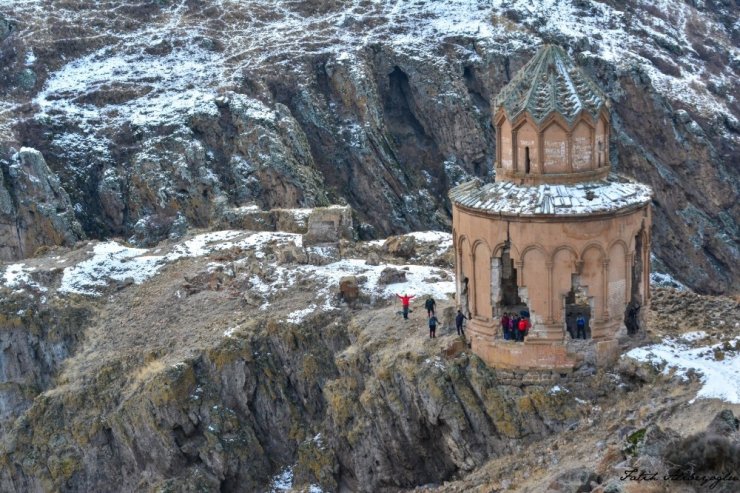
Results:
x,y
552,151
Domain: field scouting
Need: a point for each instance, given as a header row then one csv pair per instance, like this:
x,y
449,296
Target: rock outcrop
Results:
x,y
35,210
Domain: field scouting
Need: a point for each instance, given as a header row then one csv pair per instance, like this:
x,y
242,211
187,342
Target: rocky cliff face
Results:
x,y
169,114
206,376
228,362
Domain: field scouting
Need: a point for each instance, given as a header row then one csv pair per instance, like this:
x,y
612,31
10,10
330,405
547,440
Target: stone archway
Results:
x,y
578,303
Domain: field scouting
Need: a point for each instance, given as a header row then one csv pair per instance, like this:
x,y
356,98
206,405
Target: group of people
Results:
x,y
430,306
515,327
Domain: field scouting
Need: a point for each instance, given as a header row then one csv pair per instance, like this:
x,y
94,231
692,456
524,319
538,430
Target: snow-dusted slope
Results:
x,y
159,112
186,51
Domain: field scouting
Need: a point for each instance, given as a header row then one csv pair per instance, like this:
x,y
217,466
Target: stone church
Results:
x,y
556,235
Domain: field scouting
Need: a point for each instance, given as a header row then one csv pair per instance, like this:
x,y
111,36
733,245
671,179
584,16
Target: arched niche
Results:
x,y
563,267
601,143
582,147
464,279
533,287
617,278
555,148
482,260
592,276
526,144
505,146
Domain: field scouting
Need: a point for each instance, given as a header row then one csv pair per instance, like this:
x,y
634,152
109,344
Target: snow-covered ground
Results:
x,y
719,368
421,280
111,262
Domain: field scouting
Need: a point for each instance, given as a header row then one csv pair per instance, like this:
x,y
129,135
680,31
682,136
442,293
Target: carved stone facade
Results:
x,y
555,237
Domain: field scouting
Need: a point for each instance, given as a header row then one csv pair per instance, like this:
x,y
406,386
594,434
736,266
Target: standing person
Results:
x,y
523,326
580,327
459,322
505,325
432,327
430,305
515,327
512,327
405,301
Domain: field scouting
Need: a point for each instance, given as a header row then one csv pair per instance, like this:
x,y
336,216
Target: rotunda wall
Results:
x,y
549,256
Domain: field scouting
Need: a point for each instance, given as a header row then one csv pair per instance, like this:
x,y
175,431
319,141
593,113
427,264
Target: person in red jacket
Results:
x,y
523,326
405,300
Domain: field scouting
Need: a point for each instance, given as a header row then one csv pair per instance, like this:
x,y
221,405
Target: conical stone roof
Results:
x,y
550,82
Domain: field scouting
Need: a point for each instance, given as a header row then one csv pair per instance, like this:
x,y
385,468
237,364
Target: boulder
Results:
x,y
400,246
580,479
372,259
349,291
292,254
322,255
390,275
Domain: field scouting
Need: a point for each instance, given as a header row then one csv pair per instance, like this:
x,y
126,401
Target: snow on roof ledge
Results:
x,y
610,195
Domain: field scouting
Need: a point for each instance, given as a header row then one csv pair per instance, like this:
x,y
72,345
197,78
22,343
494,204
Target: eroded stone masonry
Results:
x,y
556,236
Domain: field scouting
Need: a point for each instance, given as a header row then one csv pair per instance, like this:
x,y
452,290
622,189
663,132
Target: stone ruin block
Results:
x,y
329,225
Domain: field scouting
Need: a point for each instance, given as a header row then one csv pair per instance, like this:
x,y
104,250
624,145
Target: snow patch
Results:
x,y
298,316
557,389
694,336
282,481
16,276
720,379
110,260
158,89
113,261
661,279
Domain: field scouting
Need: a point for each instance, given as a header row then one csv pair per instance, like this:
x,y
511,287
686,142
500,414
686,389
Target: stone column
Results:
x,y
519,273
458,267
646,264
629,258
472,288
569,156
605,288
550,314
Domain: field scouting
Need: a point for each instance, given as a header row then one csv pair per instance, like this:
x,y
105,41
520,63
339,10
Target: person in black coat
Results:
x,y
459,323
432,327
430,305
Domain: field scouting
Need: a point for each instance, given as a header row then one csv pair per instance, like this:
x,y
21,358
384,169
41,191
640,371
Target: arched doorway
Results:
x,y
577,305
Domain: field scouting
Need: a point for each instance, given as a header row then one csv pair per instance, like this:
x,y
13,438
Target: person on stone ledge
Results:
x,y
514,327
459,323
405,301
505,325
430,305
432,327
523,327
580,327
